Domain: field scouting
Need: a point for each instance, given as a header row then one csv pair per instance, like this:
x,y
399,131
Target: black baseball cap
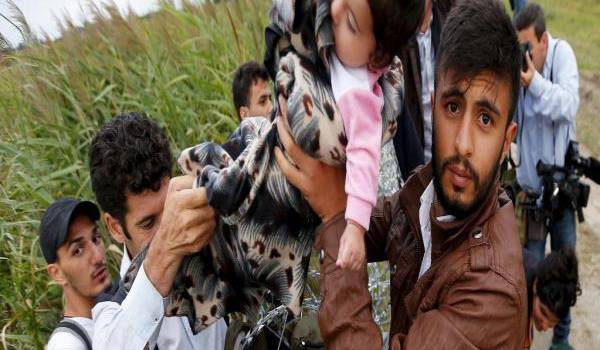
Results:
x,y
54,226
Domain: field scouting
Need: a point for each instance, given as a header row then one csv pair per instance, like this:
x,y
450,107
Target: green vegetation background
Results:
x,y
176,65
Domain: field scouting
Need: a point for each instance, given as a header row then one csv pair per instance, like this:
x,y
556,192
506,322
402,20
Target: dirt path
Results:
x,y
586,313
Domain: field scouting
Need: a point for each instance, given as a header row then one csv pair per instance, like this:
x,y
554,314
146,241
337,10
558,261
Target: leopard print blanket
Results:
x,y
266,230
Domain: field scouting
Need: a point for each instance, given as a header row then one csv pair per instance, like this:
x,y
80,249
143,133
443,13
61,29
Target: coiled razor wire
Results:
x,y
275,319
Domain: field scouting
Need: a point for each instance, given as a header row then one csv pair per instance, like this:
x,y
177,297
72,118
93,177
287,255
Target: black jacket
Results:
x,y
412,65
407,144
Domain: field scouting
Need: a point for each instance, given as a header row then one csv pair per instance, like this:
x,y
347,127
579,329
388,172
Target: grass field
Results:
x,y
176,65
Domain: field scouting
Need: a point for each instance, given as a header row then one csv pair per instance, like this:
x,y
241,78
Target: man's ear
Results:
x,y
244,112
509,136
56,274
114,227
544,40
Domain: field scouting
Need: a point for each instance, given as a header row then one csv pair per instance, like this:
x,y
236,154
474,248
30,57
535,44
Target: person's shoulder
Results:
x,y
65,341
503,235
85,323
562,44
503,253
104,311
492,255
564,51
494,265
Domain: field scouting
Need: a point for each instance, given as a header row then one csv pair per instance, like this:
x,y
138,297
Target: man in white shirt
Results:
x,y
251,91
546,113
252,97
74,251
130,165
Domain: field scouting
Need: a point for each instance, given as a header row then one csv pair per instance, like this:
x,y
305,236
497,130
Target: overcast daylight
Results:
x,y
299,174
43,15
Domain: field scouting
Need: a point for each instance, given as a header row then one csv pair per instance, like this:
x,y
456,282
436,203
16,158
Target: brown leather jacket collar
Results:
x,y
445,235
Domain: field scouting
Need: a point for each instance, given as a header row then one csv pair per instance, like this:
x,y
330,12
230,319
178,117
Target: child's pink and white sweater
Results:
x,y
360,101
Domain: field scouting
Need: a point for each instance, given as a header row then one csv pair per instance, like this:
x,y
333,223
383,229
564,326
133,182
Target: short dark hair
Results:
x,y
478,36
557,282
247,74
130,153
531,14
395,22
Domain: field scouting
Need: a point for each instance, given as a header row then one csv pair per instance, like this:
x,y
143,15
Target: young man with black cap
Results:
x,y
74,251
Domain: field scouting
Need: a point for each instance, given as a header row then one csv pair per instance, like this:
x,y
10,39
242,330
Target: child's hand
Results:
x,y
352,248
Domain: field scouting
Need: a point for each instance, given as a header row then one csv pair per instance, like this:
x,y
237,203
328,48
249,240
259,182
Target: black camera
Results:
x,y
588,167
562,188
526,47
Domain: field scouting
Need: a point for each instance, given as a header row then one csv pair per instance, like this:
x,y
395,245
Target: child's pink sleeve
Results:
x,y
361,112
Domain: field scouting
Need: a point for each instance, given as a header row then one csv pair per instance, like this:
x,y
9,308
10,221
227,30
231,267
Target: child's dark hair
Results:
x,y
478,36
395,22
557,282
246,75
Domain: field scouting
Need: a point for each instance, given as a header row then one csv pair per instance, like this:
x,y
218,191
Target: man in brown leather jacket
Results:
x,y
450,235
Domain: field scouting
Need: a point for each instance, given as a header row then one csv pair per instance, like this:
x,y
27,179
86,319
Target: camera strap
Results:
x,y
552,81
66,325
552,67
553,126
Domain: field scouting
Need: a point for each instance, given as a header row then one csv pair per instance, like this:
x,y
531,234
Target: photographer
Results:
x,y
548,103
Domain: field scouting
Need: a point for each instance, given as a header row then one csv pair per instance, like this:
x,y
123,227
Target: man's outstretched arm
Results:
x,y
345,317
187,224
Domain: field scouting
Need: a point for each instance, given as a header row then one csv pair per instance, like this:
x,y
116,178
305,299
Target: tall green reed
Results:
x,y
175,64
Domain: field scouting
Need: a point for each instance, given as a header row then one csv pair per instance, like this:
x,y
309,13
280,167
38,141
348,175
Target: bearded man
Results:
x,y
449,234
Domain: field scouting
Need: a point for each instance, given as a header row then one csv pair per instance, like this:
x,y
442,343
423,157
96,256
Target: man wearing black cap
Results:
x,y
74,251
